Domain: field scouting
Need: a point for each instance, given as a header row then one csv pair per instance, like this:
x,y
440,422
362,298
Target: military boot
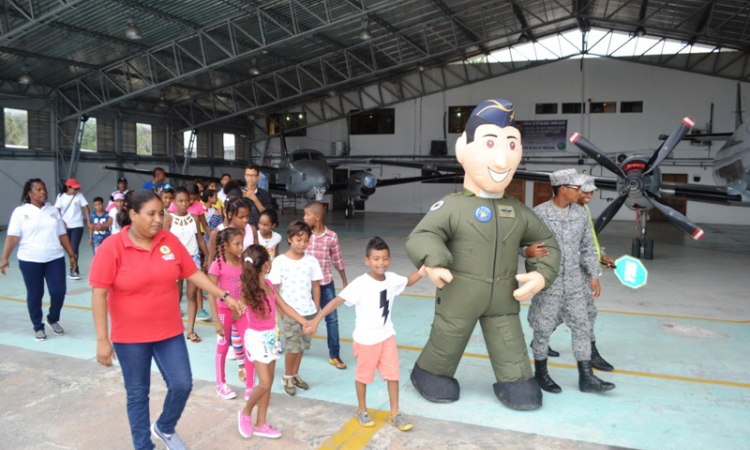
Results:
x,y
543,378
550,352
597,361
588,382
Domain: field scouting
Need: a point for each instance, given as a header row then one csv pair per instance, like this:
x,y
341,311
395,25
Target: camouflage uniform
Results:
x,y
590,306
568,298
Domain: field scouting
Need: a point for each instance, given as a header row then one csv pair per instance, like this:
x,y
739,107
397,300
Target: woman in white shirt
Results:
x,y
72,204
38,230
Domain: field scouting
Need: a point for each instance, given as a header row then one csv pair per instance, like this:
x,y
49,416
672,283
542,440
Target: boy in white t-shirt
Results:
x,y
296,277
372,295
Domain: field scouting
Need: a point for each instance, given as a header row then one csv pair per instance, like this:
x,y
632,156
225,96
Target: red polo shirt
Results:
x,y
142,300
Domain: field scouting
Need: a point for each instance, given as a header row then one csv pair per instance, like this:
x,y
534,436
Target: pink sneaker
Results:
x,y
245,424
248,393
225,392
267,431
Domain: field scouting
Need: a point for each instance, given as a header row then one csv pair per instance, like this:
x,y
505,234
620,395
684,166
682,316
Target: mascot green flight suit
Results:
x,y
470,241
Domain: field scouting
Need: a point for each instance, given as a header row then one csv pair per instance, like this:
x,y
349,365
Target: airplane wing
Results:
x,y
702,137
396,181
699,193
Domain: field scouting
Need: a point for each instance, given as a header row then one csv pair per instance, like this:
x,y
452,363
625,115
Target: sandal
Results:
x,y
242,375
337,362
194,338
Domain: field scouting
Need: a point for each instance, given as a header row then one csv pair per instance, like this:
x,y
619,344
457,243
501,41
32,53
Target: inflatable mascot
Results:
x,y
469,244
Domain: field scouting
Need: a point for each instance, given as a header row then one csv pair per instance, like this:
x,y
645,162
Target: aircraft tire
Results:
x,y
635,249
349,211
648,249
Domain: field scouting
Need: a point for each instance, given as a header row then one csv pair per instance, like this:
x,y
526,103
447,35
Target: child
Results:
x,y
213,207
183,225
99,228
261,338
225,271
324,246
114,226
74,210
266,236
372,295
297,278
167,197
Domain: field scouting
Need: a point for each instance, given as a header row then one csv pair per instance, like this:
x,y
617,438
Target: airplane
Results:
x,y
639,184
306,173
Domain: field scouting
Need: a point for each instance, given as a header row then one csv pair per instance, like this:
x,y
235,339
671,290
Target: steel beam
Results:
x,y
27,18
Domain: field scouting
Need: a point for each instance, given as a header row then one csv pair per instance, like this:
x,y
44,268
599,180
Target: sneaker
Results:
x,y
40,335
248,393
245,424
288,384
365,420
74,276
400,422
172,441
203,316
231,355
267,431
300,383
225,392
56,328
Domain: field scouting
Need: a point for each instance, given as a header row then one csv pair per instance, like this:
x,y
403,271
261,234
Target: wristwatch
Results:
x,y
224,297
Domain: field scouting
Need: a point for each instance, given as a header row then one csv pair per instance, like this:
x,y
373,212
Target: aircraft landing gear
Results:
x,y
349,211
635,248
647,249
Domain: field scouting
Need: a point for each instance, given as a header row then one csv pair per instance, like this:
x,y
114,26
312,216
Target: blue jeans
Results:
x,y
75,235
34,275
96,241
327,293
171,357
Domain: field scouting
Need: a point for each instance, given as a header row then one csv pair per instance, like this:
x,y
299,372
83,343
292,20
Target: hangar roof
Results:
x,y
195,56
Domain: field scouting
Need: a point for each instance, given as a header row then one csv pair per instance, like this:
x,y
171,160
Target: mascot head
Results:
x,y
490,148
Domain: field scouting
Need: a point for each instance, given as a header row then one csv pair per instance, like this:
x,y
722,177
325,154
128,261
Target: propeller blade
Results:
x,y
594,152
666,148
676,218
609,213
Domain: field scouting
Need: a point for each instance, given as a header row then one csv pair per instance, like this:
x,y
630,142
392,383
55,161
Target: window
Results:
x,y
573,108
16,128
288,121
229,146
631,107
186,144
603,107
380,121
457,118
88,143
143,139
546,108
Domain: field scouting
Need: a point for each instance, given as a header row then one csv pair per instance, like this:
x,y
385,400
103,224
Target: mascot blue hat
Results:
x,y
496,112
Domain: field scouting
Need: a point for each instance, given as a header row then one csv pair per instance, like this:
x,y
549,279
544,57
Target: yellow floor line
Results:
x,y
353,436
483,356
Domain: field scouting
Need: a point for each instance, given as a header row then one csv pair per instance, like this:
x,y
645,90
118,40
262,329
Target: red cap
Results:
x,y
72,182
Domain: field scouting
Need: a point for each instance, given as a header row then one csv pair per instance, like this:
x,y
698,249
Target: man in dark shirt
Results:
x,y
158,181
259,198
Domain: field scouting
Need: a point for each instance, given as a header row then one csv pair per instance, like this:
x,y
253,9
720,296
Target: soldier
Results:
x,y
470,240
567,299
584,197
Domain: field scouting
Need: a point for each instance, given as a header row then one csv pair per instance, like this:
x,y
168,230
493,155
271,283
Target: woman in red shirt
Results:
x,y
133,279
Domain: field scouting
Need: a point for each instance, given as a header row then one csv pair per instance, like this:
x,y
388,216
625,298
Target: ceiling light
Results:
x,y
421,67
365,33
254,69
640,32
162,99
25,78
132,31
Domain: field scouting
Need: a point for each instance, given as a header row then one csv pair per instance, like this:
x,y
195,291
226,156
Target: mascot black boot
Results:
x,y
522,395
597,361
543,378
588,382
435,388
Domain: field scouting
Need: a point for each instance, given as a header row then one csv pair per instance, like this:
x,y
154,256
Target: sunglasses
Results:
x,y
571,186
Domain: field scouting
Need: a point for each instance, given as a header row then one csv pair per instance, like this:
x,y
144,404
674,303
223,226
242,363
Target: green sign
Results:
x,y
631,272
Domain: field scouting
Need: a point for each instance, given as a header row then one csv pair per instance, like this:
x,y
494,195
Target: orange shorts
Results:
x,y
382,356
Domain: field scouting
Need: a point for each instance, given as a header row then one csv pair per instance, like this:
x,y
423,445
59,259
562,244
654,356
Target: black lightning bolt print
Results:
x,y
384,304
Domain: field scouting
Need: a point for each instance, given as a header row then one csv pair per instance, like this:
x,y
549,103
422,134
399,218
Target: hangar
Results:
x,y
203,87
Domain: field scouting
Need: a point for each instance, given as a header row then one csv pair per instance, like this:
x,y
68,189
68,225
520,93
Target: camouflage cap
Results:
x,y
565,176
587,183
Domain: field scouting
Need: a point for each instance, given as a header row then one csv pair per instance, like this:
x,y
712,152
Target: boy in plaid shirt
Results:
x,y
324,246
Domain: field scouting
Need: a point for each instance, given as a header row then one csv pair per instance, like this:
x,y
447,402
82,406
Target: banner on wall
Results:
x,y
543,135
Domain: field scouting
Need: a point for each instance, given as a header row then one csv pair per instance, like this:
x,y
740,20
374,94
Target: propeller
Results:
x,y
593,151
676,218
661,154
609,213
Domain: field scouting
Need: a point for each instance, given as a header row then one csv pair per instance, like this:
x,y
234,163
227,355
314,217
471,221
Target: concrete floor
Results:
x,y
679,345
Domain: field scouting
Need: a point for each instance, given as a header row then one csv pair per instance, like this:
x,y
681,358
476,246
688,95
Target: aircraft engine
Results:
x,y
361,185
